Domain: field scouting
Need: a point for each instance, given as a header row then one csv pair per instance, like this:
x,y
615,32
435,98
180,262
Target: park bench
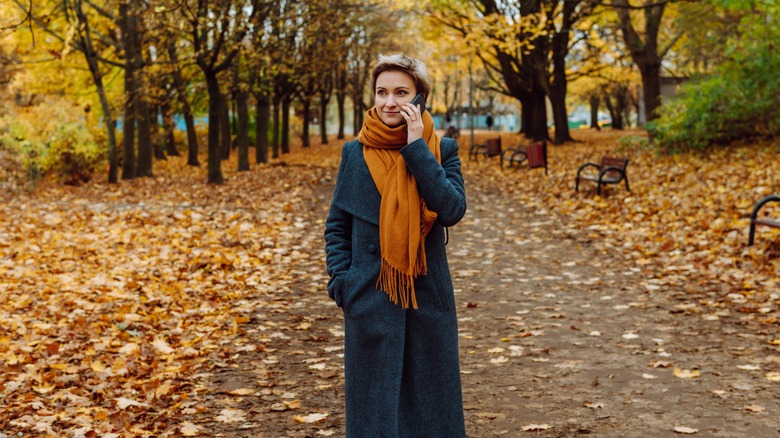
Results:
x,y
489,149
535,154
612,170
755,220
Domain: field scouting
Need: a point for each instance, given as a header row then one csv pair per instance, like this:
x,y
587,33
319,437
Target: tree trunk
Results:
x,y
614,111
189,121
128,126
651,83
306,119
224,127
323,119
154,123
645,53
594,101
242,133
286,125
341,101
560,116
97,77
534,116
169,126
144,162
560,48
234,118
262,115
144,166
275,136
214,160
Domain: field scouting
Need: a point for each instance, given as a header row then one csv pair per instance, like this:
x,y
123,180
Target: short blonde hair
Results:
x,y
411,66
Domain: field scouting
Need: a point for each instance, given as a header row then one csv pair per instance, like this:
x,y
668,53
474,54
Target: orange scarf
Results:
x,y
404,218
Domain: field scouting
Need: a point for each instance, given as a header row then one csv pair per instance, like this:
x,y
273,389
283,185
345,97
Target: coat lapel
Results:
x,y
356,192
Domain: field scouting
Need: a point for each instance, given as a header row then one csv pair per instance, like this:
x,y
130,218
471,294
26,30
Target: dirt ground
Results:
x,y
559,337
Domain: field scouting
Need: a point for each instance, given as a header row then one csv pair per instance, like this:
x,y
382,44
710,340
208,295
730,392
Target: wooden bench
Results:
x,y
612,170
489,149
535,154
755,220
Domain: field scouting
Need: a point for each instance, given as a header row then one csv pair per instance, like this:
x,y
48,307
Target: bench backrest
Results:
x,y
621,163
493,147
537,155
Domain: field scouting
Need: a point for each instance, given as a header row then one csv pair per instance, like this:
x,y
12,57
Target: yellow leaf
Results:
x,y
124,403
311,418
44,389
773,376
295,404
98,366
70,369
242,391
163,389
231,416
686,374
189,429
499,359
162,347
536,427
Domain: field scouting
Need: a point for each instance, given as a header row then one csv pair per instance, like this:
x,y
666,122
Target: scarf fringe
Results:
x,y
397,284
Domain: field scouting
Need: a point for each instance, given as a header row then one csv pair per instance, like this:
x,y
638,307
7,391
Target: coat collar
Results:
x,y
356,192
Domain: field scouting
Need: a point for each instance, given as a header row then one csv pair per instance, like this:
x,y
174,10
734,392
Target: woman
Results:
x,y
398,186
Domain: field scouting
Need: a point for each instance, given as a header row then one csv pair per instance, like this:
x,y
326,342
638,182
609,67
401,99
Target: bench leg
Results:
x,y
627,189
577,185
752,233
598,188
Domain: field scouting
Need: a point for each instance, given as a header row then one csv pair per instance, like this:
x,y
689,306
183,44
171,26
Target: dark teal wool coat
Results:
x,y
401,365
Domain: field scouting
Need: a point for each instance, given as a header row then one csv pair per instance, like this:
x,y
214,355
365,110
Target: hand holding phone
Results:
x,y
419,100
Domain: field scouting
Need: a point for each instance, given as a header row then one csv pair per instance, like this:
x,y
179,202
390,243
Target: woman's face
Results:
x,y
393,89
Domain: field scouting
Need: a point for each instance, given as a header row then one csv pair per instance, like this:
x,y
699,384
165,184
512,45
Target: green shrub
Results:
x,y
52,139
740,100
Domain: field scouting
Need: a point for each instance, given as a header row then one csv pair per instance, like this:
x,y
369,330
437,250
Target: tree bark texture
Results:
x,y
306,120
262,115
186,109
286,102
242,112
214,159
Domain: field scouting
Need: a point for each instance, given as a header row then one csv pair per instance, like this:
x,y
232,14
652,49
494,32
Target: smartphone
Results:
x,y
419,100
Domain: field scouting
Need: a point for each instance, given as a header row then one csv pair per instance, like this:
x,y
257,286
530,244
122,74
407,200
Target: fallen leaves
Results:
x,y
231,416
773,376
310,418
686,374
115,296
536,427
124,403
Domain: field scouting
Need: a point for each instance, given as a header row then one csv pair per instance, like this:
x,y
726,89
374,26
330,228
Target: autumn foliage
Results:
x,y
119,300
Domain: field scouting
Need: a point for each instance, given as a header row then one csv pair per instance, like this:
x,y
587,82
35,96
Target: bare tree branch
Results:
x,y
28,17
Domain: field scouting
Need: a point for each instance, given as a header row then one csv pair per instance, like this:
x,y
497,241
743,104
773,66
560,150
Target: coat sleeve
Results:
x,y
441,185
338,241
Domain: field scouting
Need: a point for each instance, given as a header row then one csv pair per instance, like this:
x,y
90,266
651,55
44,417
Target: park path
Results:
x,y
558,338
558,333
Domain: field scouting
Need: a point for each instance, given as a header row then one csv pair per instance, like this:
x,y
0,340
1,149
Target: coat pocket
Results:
x,y
441,286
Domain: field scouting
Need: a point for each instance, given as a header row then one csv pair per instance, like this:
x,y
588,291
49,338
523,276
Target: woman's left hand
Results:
x,y
414,123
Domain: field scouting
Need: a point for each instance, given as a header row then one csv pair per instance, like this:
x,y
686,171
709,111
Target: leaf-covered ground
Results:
x,y
167,307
